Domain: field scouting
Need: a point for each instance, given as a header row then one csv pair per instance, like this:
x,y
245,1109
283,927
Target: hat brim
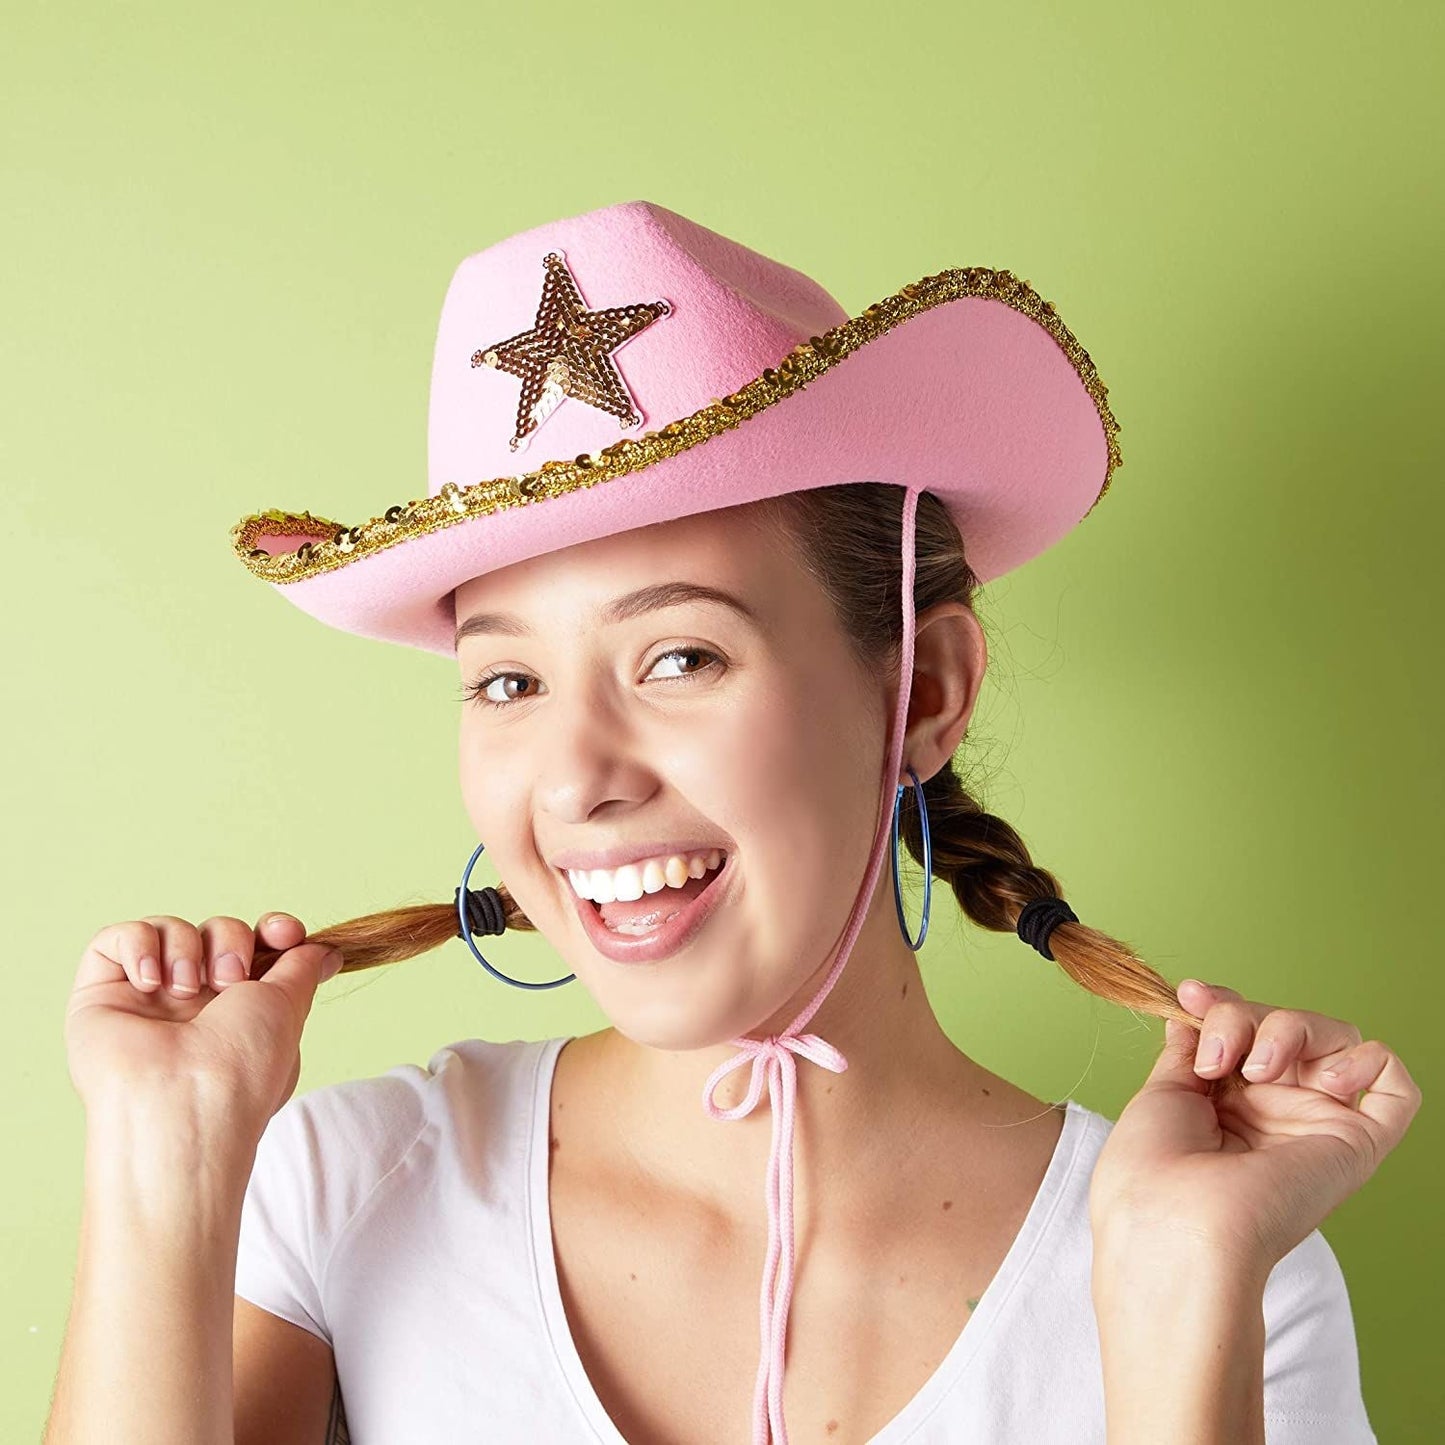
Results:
x,y
966,384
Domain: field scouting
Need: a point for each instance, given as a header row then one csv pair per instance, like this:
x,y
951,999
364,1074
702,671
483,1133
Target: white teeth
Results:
x,y
627,883
632,880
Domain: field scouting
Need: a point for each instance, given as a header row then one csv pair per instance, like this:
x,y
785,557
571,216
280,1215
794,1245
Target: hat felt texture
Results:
x,y
628,366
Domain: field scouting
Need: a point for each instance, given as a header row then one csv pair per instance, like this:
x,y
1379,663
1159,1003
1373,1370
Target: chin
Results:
x,y
679,1025
678,1040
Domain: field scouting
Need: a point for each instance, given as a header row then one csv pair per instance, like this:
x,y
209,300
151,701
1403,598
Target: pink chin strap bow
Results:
x,y
774,1059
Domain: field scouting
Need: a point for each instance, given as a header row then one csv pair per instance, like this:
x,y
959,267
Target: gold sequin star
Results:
x,y
567,353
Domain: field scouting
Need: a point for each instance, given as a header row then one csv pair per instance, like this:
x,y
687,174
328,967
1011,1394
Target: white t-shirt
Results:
x,y
404,1219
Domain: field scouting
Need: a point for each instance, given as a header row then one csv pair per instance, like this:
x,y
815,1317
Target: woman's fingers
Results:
x,y
1393,1098
229,942
280,930
116,952
1276,1044
234,945
164,952
182,951
1286,1036
1313,1050
157,952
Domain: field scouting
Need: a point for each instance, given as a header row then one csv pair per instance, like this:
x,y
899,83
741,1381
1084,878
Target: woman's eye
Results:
x,y
478,691
687,652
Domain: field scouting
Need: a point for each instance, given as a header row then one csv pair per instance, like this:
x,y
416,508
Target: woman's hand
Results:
x,y
1253,1170
194,1033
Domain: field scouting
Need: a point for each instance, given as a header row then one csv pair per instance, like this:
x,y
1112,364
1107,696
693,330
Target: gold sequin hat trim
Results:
x,y
316,546
337,544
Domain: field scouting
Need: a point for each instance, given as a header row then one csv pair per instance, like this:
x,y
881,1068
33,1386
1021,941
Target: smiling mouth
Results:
x,y
645,915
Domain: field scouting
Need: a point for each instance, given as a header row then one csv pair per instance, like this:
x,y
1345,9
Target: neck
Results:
x,y
903,1074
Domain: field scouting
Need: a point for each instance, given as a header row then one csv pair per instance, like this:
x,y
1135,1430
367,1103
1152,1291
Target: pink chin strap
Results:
x,y
774,1058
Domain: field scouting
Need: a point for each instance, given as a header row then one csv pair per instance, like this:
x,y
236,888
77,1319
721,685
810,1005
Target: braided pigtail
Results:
x,y
989,868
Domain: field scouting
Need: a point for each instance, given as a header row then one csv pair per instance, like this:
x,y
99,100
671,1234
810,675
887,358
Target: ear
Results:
x,y
950,655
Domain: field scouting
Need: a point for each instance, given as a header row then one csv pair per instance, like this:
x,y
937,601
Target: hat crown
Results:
x,y
561,340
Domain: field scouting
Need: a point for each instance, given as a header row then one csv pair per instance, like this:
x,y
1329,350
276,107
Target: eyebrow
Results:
x,y
620,609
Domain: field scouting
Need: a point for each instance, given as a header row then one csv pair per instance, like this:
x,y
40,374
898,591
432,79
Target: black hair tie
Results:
x,y
486,913
1038,919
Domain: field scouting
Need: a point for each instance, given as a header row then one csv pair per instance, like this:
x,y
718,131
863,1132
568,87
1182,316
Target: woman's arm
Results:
x,y
147,1350
1181,1334
1191,1212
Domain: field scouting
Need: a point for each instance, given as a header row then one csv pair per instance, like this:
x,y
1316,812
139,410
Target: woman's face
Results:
x,y
685,723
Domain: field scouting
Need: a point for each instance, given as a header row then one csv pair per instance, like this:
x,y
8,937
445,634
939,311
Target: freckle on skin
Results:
x,y
948,1204
905,988
985,1093
832,1425
631,1276
556,1142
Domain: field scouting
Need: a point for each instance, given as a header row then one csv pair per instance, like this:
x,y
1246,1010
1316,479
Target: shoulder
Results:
x,y
1311,1359
1087,1129
325,1151
337,1156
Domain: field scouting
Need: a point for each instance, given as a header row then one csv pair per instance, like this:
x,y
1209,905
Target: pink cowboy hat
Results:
x,y
731,377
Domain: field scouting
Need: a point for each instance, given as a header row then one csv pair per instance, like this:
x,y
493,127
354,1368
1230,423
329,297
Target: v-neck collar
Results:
x,y
939,1385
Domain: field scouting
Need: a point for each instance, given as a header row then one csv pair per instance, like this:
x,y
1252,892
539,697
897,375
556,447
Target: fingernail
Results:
x,y
331,964
1211,1051
150,970
229,968
1260,1058
1335,1070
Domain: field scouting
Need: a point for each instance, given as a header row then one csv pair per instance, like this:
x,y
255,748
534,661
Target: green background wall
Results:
x,y
1213,709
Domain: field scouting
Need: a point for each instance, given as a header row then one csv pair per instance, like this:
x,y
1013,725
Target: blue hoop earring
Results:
x,y
465,930
927,862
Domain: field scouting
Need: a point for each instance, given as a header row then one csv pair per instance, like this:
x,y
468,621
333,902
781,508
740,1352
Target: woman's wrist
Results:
x,y
148,1344
158,1157
1181,1338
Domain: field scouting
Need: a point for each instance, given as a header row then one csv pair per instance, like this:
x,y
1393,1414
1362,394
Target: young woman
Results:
x,y
701,667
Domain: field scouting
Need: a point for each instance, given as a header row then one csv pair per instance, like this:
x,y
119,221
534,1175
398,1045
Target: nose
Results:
x,y
588,754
